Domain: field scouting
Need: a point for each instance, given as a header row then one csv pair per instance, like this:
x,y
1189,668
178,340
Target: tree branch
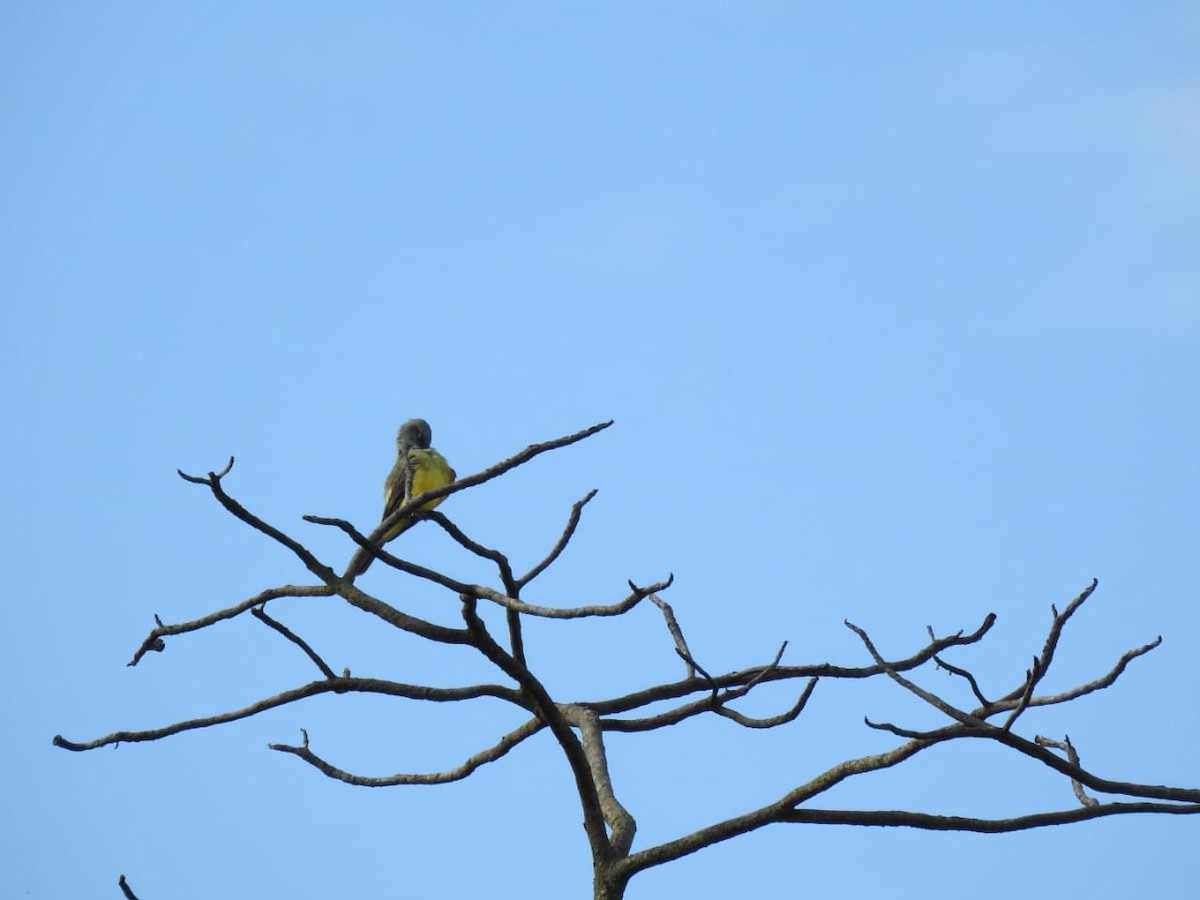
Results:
x,y
618,818
1100,683
681,647
491,754
480,592
549,712
563,540
1067,747
495,556
126,889
677,689
154,640
932,699
259,613
577,612
213,481
966,725
339,685
886,817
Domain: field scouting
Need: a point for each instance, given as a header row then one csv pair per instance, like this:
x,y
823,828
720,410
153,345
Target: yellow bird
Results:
x,y
419,468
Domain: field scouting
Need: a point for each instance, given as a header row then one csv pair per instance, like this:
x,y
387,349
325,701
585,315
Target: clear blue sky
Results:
x,y
897,310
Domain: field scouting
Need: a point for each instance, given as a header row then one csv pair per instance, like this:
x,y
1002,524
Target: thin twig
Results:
x,y
1032,677
961,673
930,698
772,721
213,482
1058,622
259,613
495,556
471,764
1100,683
681,646
154,640
1067,747
563,540
575,612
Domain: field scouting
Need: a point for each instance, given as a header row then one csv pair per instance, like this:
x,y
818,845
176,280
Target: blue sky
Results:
x,y
897,310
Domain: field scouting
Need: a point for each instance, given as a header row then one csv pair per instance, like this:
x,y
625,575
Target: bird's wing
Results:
x,y
395,487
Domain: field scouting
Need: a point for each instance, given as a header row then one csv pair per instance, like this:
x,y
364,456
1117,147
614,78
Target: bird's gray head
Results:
x,y
415,433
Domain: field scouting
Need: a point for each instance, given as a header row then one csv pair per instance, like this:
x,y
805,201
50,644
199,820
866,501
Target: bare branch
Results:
x,y
789,807
1067,747
675,690
662,720
480,592
495,556
977,727
543,705
394,561
1032,676
1101,682
1057,624
259,613
154,640
967,725
936,734
563,540
766,815
213,481
491,754
986,826
210,477
339,685
716,702
121,882
771,722
932,699
403,621
681,646
578,612
516,640
620,822
961,673
769,669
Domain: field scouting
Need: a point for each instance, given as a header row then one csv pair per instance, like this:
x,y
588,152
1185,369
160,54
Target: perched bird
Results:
x,y
419,468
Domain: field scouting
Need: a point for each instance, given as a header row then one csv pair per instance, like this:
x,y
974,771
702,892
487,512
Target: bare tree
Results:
x,y
579,726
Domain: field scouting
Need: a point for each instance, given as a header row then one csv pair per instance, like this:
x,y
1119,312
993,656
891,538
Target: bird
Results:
x,y
419,468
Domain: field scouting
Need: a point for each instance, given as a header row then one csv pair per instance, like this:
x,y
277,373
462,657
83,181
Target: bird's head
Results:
x,y
415,433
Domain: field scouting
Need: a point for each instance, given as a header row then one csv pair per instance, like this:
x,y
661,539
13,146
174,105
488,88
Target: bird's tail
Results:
x,y
359,563
363,558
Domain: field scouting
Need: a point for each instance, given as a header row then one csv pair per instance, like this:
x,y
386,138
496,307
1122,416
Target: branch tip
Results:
x,y
211,478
